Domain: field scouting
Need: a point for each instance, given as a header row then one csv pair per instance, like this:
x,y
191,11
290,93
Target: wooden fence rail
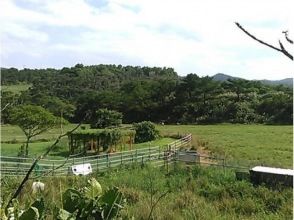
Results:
x,y
13,166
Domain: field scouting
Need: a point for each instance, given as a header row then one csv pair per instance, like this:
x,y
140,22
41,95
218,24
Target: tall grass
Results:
x,y
194,193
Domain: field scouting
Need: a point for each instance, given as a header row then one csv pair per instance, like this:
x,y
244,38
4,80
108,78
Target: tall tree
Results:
x,y
33,120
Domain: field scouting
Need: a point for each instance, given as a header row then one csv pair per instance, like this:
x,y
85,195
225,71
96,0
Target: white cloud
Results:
x,y
191,36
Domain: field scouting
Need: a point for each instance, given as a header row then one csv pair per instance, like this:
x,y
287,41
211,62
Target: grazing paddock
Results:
x,y
12,138
241,144
248,145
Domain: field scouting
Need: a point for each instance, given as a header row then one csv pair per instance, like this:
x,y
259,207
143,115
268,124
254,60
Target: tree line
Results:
x,y
147,93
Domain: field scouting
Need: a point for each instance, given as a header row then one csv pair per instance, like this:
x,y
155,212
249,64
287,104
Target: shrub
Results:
x,y
145,131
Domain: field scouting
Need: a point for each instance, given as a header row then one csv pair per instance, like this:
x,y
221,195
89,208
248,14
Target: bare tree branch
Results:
x,y
282,49
157,201
287,38
2,109
26,178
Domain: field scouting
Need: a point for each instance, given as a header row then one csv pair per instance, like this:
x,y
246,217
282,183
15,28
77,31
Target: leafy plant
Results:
x,y
91,204
83,204
145,131
34,212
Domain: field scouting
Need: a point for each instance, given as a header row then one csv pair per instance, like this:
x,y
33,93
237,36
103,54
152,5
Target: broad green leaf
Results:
x,y
71,200
40,205
30,214
111,203
93,190
65,215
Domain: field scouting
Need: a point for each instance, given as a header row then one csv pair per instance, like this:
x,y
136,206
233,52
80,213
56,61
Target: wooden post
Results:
x,y
167,161
121,158
149,152
70,144
107,158
158,152
53,169
132,158
97,163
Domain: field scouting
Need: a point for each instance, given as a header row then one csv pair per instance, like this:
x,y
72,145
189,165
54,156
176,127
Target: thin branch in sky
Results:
x,y
281,49
287,38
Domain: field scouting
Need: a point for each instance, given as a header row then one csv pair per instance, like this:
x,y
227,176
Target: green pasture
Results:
x,y
11,133
12,138
242,144
16,88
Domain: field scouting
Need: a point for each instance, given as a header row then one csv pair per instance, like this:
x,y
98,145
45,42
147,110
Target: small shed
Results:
x,y
271,176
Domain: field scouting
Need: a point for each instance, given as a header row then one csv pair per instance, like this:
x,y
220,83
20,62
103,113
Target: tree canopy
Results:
x,y
105,118
147,94
33,120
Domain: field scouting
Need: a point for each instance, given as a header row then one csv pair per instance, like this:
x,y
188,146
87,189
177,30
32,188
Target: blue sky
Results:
x,y
192,36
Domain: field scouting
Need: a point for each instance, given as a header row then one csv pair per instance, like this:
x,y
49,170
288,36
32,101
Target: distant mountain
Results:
x,y
286,82
223,77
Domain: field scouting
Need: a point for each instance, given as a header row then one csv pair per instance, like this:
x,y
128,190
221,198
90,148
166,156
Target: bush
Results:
x,y
145,131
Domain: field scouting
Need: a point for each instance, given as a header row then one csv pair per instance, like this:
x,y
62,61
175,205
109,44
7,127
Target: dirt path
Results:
x,y
204,152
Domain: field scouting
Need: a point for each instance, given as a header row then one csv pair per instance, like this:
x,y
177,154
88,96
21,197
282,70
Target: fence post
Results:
x,y
158,152
97,163
149,152
167,163
142,160
53,169
132,158
107,160
121,158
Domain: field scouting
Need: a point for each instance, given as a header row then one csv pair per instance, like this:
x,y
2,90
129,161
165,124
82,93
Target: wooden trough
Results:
x,y
271,176
188,156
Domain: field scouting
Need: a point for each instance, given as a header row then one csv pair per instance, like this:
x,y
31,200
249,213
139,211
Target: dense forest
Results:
x,y
145,93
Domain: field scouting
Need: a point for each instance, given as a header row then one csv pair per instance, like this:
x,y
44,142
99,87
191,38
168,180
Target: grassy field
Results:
x,y
239,144
17,88
192,193
242,144
11,133
12,138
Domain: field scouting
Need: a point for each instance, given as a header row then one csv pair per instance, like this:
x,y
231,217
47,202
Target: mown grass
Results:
x,y
193,193
163,141
12,138
12,133
242,144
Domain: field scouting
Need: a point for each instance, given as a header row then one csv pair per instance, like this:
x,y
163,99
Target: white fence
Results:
x,y
158,156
